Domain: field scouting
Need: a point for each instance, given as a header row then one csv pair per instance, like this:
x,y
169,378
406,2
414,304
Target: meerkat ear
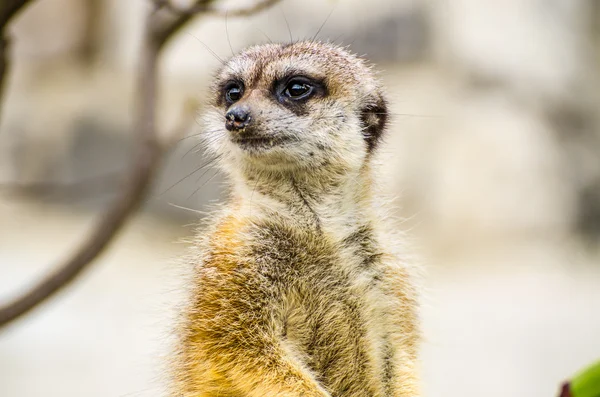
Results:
x,y
374,117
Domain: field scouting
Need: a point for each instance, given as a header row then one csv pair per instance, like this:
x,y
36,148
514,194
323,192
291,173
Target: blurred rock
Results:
x,y
541,55
577,131
474,166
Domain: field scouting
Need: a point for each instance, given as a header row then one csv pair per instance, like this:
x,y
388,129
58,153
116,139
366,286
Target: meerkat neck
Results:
x,y
316,199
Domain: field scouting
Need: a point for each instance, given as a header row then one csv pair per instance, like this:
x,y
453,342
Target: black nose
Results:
x,y
238,117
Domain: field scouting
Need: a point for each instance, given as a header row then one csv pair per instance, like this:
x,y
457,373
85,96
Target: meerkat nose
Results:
x,y
237,117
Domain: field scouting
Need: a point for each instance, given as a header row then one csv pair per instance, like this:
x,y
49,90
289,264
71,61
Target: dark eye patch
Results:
x,y
294,90
298,89
229,92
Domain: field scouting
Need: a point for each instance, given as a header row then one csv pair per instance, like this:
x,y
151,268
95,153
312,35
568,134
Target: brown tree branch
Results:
x,y
87,186
209,7
135,185
3,63
159,29
8,10
95,15
243,11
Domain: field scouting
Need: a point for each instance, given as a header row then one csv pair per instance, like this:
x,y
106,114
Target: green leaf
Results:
x,y
587,382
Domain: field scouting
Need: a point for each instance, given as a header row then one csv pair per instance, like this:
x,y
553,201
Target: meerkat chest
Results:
x,y
318,261
333,309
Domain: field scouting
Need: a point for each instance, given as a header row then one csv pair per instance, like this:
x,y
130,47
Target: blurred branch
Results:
x,y
3,62
95,16
159,29
209,7
243,11
186,119
134,186
89,186
8,10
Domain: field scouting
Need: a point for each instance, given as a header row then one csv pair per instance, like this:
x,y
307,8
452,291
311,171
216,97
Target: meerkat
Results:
x,y
298,289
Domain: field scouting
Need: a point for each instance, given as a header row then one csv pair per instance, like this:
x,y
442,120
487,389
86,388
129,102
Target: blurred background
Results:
x,y
493,156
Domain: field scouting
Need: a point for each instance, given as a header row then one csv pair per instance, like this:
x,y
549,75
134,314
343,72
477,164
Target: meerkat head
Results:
x,y
296,107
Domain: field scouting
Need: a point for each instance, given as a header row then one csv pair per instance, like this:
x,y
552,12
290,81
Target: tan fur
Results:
x,y
298,288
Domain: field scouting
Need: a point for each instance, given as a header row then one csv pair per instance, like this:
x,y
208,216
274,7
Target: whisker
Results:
x,y
266,36
227,34
191,149
204,184
337,38
187,176
204,173
288,25
198,134
324,22
189,136
186,208
214,54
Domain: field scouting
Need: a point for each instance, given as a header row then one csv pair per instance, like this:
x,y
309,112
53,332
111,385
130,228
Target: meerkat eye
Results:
x,y
233,92
298,89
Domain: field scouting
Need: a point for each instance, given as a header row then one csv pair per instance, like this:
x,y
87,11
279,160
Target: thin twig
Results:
x,y
159,29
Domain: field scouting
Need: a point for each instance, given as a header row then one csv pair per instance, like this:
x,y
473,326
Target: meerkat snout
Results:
x,y
237,118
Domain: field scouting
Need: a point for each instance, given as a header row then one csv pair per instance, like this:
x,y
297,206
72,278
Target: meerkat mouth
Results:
x,y
258,143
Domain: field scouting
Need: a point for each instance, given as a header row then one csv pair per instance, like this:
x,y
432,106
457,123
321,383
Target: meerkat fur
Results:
x,y
298,287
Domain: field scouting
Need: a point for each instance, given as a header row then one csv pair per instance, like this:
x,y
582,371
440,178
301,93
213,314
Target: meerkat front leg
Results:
x,y
232,344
